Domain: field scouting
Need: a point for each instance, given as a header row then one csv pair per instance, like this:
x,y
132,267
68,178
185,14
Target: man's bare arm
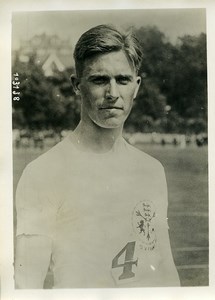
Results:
x,y
33,254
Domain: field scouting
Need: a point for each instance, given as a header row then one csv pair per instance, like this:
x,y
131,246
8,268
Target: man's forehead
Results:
x,y
102,64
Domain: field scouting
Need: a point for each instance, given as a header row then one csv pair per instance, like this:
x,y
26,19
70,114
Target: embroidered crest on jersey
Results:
x,y
144,224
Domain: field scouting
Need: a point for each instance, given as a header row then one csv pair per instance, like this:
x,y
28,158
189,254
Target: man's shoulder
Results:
x,y
144,160
49,163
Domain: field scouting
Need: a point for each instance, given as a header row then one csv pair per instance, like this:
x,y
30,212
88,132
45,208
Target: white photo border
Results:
x,y
7,7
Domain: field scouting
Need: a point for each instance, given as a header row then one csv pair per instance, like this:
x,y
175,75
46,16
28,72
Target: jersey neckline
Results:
x,y
118,148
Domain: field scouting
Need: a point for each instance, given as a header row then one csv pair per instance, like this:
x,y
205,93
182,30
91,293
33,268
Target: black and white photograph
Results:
x,y
109,146
109,132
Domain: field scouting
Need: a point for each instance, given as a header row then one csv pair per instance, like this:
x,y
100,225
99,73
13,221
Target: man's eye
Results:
x,y
123,80
99,80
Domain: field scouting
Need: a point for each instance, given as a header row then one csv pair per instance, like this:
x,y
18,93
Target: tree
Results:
x,y
148,107
65,100
45,102
174,77
33,93
151,101
171,98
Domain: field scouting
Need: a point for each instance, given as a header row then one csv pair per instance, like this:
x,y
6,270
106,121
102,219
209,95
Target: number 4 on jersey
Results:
x,y
128,263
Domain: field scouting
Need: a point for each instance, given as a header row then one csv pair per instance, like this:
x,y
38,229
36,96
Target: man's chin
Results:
x,y
110,124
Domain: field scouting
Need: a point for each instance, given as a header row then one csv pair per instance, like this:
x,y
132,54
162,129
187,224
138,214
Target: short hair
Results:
x,y
104,39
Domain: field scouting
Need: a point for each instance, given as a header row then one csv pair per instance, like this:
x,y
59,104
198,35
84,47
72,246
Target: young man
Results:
x,y
94,206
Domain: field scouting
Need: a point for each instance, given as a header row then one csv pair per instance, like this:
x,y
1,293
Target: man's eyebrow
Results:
x,y
125,76
95,76
105,76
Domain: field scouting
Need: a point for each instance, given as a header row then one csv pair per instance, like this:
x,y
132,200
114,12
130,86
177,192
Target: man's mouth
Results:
x,y
111,107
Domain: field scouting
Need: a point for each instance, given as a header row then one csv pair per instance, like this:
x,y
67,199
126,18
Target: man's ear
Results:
x,y
75,84
138,81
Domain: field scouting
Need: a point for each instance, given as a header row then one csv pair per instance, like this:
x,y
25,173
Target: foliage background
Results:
x,y
172,97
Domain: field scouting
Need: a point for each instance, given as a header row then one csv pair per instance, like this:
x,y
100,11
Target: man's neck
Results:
x,y
96,139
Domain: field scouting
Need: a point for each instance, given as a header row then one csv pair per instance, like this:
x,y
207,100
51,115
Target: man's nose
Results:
x,y
112,90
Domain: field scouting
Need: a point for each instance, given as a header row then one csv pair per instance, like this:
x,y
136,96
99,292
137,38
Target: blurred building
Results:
x,y
52,53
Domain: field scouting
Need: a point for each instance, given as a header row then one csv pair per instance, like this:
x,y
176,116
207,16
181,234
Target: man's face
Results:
x,y
108,86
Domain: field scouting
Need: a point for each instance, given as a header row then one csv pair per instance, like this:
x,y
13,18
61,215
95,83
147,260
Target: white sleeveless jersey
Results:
x,y
105,213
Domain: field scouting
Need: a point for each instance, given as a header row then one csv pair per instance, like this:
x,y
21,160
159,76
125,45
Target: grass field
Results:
x,y
186,172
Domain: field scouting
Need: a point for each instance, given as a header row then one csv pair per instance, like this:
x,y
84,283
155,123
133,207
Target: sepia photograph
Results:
x,y
110,148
